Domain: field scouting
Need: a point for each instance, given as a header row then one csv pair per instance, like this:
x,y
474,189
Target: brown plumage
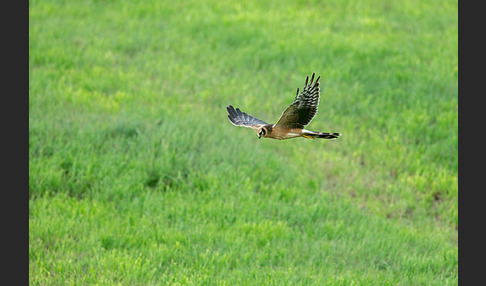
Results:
x,y
292,121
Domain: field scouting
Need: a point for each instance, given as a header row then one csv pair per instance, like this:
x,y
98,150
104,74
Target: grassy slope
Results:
x,y
136,175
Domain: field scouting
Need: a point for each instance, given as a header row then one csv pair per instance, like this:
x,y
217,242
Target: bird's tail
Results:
x,y
313,135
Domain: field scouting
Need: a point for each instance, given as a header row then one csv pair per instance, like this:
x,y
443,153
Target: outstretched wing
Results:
x,y
239,118
304,107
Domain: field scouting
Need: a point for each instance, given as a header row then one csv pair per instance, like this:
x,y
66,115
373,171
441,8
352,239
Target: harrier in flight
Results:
x,y
292,121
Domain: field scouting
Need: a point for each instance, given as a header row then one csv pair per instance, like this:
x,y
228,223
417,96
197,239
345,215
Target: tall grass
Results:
x,y
137,177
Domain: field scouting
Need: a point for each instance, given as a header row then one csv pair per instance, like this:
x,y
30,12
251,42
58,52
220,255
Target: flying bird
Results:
x,y
292,121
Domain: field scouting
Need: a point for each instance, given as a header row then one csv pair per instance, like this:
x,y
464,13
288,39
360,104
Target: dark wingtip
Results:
x,y
312,78
231,111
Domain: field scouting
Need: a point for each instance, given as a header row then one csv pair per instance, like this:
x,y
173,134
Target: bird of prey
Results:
x,y
292,121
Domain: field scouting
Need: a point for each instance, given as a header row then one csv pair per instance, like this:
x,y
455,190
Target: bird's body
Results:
x,y
292,121
277,133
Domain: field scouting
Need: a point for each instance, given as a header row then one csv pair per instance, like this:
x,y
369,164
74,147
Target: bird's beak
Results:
x,y
259,136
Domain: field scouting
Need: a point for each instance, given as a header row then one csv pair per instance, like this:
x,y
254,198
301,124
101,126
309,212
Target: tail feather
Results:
x,y
314,135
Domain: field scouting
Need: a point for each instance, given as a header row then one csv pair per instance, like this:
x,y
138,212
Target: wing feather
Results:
x,y
303,108
240,118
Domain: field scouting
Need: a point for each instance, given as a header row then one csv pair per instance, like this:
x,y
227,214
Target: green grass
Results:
x,y
136,177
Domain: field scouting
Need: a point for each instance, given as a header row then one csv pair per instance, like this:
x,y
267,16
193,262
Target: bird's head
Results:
x,y
262,131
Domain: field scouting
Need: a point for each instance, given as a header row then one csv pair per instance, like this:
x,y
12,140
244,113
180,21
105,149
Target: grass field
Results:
x,y
136,176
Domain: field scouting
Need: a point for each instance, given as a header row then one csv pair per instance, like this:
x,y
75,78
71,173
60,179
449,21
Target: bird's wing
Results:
x,y
239,118
304,107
